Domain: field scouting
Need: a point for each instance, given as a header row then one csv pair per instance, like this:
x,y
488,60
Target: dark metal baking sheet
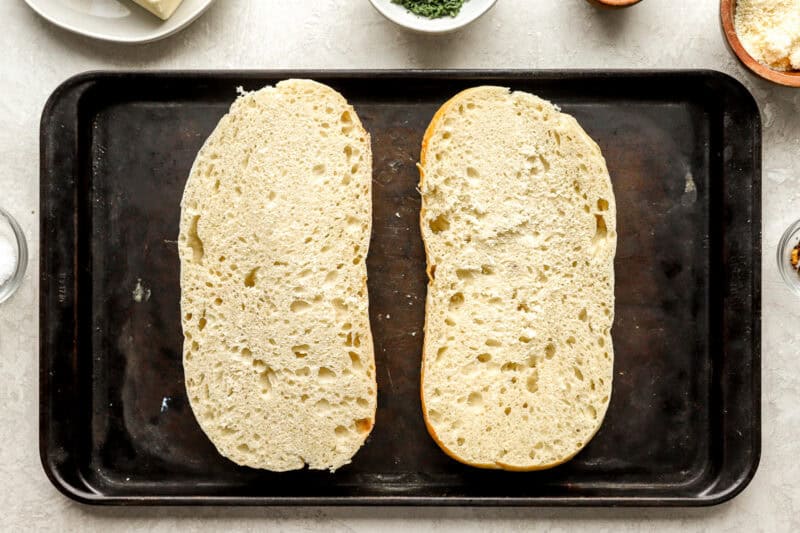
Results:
x,y
683,427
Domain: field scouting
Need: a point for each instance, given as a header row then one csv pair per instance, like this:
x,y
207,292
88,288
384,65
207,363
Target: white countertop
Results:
x,y
267,34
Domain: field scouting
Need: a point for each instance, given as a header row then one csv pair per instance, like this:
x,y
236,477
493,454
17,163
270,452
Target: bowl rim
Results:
x,y
727,11
15,280
422,26
790,276
614,3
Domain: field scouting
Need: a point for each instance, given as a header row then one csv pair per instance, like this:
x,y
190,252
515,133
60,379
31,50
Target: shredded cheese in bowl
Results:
x,y
770,31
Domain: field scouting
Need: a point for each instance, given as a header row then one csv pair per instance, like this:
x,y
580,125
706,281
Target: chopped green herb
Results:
x,y
432,9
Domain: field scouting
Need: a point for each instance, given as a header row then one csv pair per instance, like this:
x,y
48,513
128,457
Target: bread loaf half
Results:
x,y
275,227
519,224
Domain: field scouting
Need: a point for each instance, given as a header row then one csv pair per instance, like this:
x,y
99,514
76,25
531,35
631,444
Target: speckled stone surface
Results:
x,y
265,34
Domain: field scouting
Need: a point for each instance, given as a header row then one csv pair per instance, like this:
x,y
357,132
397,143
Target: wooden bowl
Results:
x,y
727,12
613,4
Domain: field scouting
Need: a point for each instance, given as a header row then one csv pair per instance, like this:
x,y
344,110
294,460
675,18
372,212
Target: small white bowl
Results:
x,y
788,241
10,230
471,11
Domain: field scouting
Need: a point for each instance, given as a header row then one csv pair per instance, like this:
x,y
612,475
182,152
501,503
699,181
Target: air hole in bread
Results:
x,y
304,371
601,233
341,432
592,412
259,365
440,352
571,341
578,373
195,346
439,224
472,173
250,278
601,341
434,415
484,357
523,307
362,402
557,138
266,377
323,407
465,274
507,411
194,241
326,375
216,185
201,324
243,448
300,350
511,367
602,204
449,321
299,306
583,315
245,352
460,441
532,384
218,301
456,300
348,341
475,399
355,360
550,351
545,163
271,196
493,342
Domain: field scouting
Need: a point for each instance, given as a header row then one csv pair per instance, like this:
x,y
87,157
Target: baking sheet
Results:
x,y
683,426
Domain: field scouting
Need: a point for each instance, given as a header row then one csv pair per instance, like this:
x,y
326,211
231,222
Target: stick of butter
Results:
x,y
160,8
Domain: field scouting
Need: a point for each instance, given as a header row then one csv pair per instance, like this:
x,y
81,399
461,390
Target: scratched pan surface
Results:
x,y
683,427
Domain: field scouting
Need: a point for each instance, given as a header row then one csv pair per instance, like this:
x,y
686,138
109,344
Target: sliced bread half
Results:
x,y
274,232
519,225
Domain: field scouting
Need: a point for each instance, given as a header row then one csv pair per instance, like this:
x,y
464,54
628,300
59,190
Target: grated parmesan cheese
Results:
x,y
770,31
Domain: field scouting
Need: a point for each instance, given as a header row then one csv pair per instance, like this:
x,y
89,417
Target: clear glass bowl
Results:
x,y
9,228
789,240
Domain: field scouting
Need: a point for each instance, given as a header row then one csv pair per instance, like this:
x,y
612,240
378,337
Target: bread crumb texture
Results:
x,y
274,232
519,224
770,31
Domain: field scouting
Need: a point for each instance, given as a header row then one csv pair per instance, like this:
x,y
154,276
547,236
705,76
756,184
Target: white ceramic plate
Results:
x,y
120,21
471,11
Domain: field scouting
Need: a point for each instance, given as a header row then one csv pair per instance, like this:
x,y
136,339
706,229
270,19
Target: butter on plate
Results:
x,y
163,9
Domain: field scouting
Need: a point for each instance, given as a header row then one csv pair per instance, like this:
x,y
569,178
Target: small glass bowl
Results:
x,y
789,240
9,228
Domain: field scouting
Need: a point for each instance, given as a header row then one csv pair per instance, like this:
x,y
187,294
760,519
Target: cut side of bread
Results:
x,y
274,233
519,224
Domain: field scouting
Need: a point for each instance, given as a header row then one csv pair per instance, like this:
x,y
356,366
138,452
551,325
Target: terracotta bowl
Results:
x,y
727,12
613,4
